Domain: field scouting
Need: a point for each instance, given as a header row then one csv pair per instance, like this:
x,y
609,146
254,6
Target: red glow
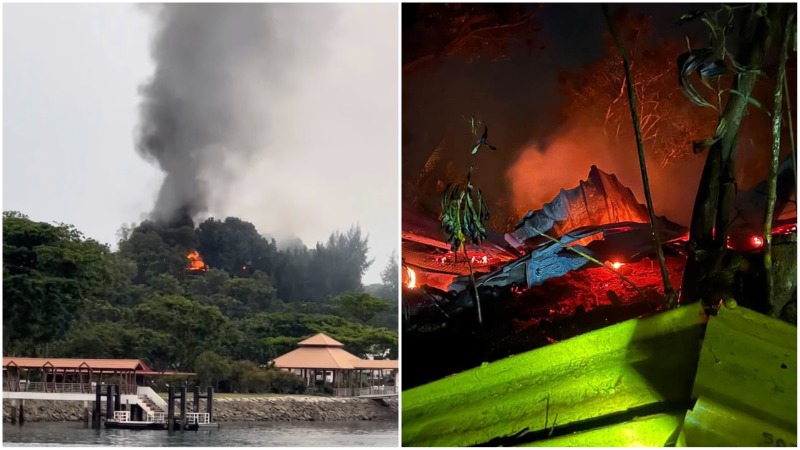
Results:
x,y
617,265
757,241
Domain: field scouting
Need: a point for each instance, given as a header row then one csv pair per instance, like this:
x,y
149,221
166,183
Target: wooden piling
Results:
x,y
85,414
117,398
183,409
21,412
171,408
210,404
109,402
96,407
13,412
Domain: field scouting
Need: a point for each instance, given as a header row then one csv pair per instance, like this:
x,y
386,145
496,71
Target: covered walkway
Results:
x,y
72,375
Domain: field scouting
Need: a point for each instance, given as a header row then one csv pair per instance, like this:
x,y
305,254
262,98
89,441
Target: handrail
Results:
x,y
198,418
157,417
122,416
49,386
358,392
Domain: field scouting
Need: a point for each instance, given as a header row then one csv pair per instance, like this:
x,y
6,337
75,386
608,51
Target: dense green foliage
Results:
x,y
67,296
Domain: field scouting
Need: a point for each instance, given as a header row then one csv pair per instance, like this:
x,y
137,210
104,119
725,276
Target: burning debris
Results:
x,y
598,209
535,291
600,200
410,279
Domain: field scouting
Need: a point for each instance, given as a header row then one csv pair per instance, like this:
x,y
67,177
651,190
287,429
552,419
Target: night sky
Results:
x,y
518,98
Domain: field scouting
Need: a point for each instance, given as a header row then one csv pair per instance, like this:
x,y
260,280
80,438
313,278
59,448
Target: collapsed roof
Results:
x,y
578,215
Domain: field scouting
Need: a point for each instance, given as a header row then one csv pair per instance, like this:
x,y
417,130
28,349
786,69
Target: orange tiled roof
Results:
x,y
316,357
323,352
321,340
377,364
76,363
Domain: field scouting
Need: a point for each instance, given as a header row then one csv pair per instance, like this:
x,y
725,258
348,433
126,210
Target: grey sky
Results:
x,y
72,74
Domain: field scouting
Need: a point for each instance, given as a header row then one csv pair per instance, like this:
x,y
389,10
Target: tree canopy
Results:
x,y
68,296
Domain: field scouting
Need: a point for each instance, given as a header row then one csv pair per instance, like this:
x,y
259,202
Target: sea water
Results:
x,y
230,434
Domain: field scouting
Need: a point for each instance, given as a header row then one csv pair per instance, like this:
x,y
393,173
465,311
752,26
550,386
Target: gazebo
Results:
x,y
322,358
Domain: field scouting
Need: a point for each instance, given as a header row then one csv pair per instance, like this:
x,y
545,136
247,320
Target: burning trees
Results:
x,y
196,264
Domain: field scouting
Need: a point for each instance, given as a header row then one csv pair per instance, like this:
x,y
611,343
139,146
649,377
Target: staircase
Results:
x,y
148,405
153,405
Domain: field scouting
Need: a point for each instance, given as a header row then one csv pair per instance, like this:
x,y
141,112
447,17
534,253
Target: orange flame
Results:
x,y
195,262
617,265
412,278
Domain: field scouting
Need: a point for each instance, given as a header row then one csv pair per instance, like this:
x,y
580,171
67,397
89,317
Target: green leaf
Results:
x,y
690,16
699,146
751,100
706,64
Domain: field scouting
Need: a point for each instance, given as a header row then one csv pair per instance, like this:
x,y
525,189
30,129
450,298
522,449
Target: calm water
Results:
x,y
230,434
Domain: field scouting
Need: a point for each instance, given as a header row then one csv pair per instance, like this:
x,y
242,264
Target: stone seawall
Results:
x,y
245,409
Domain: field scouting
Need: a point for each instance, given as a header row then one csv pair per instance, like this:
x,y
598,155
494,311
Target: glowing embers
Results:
x,y
479,259
744,243
410,278
196,263
787,229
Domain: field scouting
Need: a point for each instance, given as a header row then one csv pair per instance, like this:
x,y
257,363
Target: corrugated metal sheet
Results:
x,y
638,367
623,386
746,383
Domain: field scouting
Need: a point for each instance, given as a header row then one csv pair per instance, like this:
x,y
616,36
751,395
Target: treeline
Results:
x,y
68,296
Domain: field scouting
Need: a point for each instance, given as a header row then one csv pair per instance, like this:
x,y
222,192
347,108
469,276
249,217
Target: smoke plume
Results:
x,y
219,69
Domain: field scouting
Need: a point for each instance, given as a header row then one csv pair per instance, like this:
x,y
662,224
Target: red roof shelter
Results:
x,y
74,374
320,356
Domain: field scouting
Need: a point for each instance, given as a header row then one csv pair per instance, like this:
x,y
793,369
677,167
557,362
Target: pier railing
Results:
x,y
157,417
198,418
359,392
70,388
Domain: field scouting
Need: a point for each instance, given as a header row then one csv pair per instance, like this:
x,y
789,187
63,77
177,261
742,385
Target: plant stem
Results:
x,y
474,286
791,124
589,257
773,168
669,292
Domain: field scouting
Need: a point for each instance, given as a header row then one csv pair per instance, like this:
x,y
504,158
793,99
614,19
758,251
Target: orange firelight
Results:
x,y
195,262
412,278
617,265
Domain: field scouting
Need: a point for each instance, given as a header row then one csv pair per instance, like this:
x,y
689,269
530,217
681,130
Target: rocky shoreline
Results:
x,y
244,409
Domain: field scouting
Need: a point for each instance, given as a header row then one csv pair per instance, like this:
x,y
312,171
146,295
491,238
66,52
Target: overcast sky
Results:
x,y
72,74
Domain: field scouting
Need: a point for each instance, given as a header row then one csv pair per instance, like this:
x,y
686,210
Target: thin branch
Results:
x,y
776,151
669,292
449,49
791,124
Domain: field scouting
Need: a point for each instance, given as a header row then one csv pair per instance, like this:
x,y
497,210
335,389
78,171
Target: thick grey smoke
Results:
x,y
219,69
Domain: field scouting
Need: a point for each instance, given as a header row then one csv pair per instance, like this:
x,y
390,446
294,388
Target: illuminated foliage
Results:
x,y
471,31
